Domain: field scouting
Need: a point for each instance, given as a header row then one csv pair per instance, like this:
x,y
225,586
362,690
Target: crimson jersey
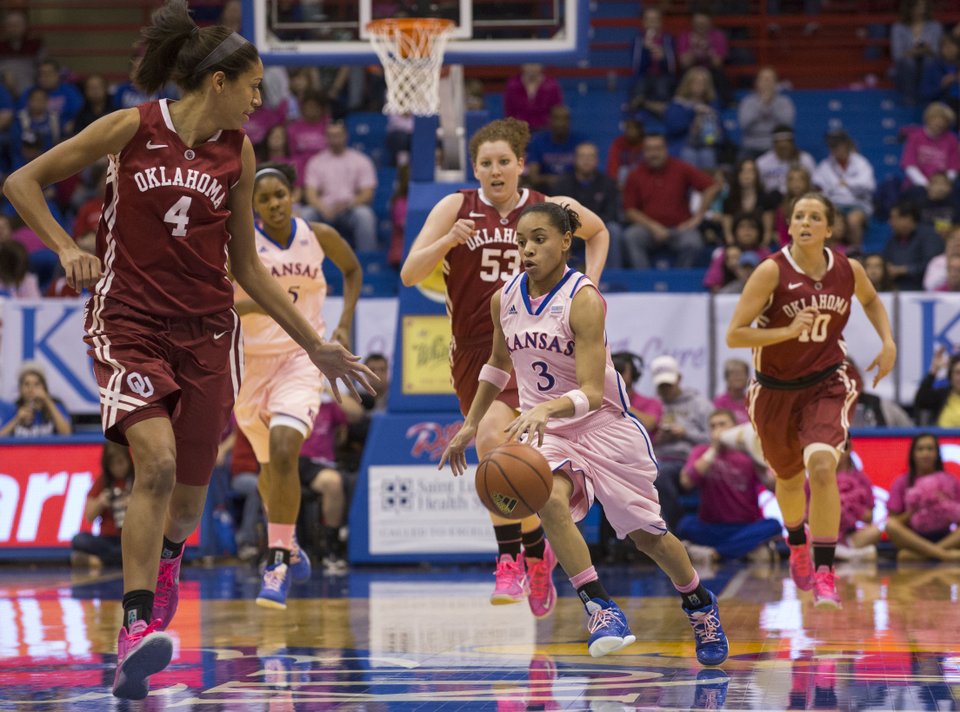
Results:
x,y
820,348
475,270
163,233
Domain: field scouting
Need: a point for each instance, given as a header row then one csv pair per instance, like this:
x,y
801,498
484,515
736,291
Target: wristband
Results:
x,y
494,375
581,404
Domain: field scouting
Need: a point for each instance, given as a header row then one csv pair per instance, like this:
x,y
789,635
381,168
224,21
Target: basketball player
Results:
x,y
802,397
280,396
549,328
161,328
472,233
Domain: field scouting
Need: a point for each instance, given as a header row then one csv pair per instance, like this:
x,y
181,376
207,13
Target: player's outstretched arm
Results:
x,y
24,188
336,362
877,314
343,256
440,233
759,287
593,232
493,378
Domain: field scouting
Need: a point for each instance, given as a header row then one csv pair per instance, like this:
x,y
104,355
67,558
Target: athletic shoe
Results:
x,y
300,568
825,588
167,594
608,628
543,592
512,584
334,565
276,583
711,689
801,564
712,645
141,652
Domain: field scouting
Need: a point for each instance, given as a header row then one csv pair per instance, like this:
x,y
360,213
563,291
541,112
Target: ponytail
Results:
x,y
562,217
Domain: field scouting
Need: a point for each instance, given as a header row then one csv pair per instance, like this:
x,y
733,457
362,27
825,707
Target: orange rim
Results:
x,y
409,25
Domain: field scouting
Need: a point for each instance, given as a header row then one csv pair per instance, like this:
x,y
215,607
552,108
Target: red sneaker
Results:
x,y
801,563
825,588
543,592
167,594
141,652
512,584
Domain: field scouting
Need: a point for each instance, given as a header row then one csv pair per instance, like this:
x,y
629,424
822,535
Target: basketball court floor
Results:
x,y
427,639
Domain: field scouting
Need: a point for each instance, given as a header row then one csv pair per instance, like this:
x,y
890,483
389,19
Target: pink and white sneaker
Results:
x,y
543,592
512,582
167,594
141,652
801,564
825,588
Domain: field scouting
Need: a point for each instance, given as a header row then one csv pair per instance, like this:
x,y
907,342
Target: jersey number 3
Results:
x,y
178,216
492,264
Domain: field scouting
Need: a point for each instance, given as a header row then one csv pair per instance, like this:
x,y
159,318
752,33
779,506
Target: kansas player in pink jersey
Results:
x,y
280,396
549,329
472,232
803,396
161,328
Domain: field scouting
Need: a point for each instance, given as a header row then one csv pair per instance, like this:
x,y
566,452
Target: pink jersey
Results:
x,y
820,349
541,346
296,266
163,234
473,272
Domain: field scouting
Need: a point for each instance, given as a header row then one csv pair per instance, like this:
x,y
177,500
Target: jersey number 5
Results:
x,y
178,216
492,267
818,332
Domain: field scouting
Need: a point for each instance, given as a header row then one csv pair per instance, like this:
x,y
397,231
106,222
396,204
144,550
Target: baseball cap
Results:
x,y
665,369
749,259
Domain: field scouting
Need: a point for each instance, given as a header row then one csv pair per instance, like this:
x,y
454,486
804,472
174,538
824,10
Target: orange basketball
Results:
x,y
514,481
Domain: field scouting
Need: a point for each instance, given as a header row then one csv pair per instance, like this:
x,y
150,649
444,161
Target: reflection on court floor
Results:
x,y
416,639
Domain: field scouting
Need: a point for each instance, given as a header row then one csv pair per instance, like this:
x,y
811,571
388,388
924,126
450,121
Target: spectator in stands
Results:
x,y
914,40
106,501
875,267
683,425
550,153
530,95
399,202
705,46
626,151
940,204
474,95
244,474
747,236
653,63
931,148
656,202
647,410
873,411
20,52
953,275
723,267
924,506
776,163
6,228
97,102
746,264
939,405
6,126
910,247
747,196
399,138
63,98
35,413
692,120
847,178
275,148
798,183
728,523
761,112
307,136
377,363
127,95
340,182
320,474
34,127
941,77
736,378
935,275
596,191
16,281
359,413
841,238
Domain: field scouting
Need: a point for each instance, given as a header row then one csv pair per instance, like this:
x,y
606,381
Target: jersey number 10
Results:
x,y
817,332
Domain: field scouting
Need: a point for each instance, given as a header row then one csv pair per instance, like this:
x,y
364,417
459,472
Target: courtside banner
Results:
x,y
928,320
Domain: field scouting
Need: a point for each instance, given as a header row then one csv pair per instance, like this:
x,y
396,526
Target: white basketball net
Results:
x,y
412,56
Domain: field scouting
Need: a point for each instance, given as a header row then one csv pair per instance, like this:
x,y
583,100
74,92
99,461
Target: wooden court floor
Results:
x,y
427,639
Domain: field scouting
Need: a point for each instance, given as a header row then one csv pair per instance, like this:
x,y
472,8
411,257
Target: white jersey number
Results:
x,y
497,264
178,216
818,332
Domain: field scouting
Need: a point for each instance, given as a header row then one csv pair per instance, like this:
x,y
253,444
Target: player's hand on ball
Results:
x,y
336,363
456,450
82,269
531,423
803,321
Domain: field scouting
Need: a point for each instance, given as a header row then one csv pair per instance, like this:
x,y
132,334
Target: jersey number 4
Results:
x,y
178,216
817,332
497,264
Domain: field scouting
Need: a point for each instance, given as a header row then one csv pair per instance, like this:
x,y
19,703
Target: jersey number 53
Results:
x,y
497,264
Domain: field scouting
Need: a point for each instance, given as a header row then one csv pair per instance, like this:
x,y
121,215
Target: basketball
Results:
x,y
514,481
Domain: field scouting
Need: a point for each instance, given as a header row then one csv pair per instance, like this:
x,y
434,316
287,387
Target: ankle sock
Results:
x,y
796,536
509,538
277,556
171,550
823,554
534,543
137,606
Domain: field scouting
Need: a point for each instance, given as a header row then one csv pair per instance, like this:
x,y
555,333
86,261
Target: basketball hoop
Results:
x,y
411,52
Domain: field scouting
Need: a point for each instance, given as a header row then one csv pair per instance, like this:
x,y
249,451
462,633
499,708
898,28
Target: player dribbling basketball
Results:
x,y
549,327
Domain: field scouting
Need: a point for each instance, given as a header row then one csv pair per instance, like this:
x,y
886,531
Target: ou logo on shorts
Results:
x,y
140,384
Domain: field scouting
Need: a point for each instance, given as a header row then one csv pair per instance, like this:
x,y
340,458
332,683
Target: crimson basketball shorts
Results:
x,y
188,366
467,357
788,421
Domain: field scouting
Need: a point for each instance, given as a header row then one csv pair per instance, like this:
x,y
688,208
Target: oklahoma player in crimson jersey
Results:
x,y
473,233
802,398
161,328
